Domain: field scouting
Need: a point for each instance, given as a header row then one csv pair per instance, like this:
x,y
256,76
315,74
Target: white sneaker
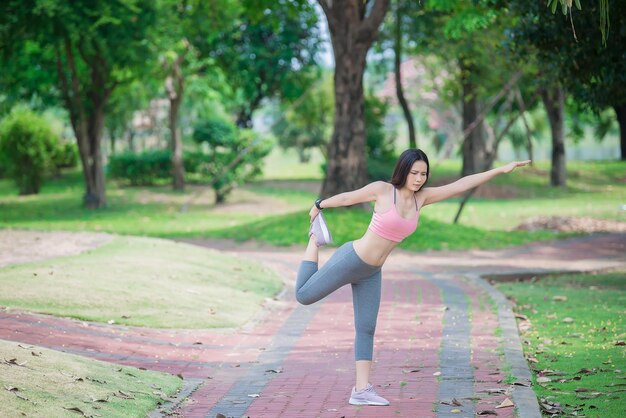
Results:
x,y
320,230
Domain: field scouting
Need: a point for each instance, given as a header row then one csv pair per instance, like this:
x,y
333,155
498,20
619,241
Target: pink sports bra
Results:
x,y
391,225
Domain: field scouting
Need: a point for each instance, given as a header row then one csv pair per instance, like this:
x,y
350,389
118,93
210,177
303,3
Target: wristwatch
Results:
x,y
317,204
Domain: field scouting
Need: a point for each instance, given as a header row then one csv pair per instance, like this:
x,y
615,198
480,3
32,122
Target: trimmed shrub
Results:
x,y
27,146
233,155
65,155
141,169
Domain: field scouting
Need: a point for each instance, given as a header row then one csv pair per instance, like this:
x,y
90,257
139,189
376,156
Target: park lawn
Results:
x,y
45,383
349,224
275,210
143,282
585,359
594,189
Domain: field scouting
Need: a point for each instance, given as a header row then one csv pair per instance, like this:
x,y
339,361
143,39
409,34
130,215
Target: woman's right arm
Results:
x,y
366,193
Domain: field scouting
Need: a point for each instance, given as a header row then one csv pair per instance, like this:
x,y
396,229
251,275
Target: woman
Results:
x,y
396,212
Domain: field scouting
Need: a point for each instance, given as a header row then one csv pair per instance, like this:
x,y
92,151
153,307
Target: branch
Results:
x,y
508,86
369,26
491,157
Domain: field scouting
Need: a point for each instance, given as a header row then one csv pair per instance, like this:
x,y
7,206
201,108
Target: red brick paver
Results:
x,y
317,373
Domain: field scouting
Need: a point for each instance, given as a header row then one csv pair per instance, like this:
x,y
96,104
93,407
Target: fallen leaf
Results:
x,y
455,411
99,399
123,395
254,395
505,404
568,320
437,374
453,402
76,409
559,298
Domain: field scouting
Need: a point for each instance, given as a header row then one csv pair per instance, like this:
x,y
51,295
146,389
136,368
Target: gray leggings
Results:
x,y
345,267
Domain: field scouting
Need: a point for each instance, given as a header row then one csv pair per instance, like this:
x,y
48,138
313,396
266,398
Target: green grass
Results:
x,y
596,304
594,189
50,383
349,224
143,282
147,211
273,210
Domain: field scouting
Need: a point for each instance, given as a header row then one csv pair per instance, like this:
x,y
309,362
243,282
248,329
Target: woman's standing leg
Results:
x,y
366,301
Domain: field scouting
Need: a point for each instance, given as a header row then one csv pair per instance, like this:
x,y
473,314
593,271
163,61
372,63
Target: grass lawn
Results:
x,y
594,189
46,383
142,282
272,209
576,341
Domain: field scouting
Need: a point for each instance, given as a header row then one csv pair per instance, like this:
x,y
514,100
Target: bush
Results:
x,y
232,157
27,147
65,155
141,169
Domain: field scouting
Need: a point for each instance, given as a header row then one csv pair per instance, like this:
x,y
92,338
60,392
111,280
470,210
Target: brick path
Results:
x,y
436,340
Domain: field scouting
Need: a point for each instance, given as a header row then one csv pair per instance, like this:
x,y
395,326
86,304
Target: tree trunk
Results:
x,y
174,86
620,112
87,125
554,102
352,31
95,194
473,148
399,89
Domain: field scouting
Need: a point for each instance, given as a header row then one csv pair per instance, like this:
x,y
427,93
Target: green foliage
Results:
x,y
593,74
65,155
141,169
308,122
379,144
276,43
28,147
233,155
216,131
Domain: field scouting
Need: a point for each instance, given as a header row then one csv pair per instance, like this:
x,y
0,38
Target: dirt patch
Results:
x,y
18,246
240,200
571,224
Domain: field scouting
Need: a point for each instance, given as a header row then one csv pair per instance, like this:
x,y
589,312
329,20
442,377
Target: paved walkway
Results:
x,y
437,353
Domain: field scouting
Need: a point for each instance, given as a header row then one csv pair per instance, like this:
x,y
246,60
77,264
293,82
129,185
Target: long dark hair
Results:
x,y
404,165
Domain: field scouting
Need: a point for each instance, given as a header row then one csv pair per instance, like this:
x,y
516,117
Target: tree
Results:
x,y
270,51
187,25
393,36
92,47
307,122
590,73
353,26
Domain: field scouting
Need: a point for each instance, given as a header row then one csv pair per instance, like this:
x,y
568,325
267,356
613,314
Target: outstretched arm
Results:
x,y
366,193
437,194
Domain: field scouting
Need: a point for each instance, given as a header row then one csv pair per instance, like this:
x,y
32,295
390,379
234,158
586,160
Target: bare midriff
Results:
x,y
373,249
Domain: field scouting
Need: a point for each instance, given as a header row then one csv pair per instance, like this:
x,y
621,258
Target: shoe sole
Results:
x,y
351,402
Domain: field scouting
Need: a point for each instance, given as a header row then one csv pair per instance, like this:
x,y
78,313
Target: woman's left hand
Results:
x,y
513,165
